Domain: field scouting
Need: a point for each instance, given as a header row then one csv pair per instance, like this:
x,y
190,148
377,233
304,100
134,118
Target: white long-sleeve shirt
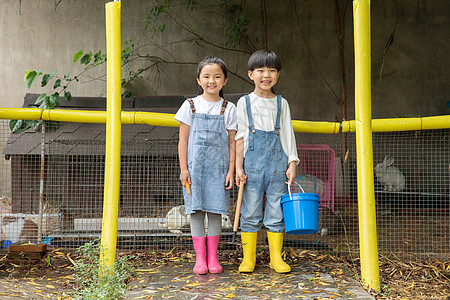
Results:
x,y
264,114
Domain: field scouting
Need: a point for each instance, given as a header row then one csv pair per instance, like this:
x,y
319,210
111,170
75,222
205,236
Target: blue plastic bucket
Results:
x,y
301,212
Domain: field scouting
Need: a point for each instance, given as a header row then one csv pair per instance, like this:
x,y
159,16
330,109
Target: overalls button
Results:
x,y
253,131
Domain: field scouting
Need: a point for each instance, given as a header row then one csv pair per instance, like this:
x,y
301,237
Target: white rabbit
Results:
x,y
19,229
390,176
176,219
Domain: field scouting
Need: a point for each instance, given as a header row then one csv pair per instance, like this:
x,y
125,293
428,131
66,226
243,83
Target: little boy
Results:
x,y
265,138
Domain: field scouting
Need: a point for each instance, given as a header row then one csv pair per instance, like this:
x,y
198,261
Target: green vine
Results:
x,y
89,61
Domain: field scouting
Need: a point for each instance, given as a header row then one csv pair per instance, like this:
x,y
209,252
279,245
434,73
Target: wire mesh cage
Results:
x,y
149,188
412,194
412,202
316,172
151,211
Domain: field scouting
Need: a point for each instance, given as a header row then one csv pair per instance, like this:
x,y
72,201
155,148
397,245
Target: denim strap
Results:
x,y
277,124
251,127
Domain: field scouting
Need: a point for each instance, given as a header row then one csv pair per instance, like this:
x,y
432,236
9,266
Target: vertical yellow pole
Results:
x,y
113,137
363,115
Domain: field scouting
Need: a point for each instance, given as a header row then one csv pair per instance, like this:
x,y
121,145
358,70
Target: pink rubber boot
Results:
x,y
200,251
212,242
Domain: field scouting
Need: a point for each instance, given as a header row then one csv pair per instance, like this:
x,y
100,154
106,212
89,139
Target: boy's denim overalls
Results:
x,y
265,165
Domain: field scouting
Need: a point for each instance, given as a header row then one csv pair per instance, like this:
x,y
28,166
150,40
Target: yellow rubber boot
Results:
x,y
275,246
249,248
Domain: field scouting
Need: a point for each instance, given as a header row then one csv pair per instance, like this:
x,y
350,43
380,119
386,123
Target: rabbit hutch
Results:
x,y
74,178
416,176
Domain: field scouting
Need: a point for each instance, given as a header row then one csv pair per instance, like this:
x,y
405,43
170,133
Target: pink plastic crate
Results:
x,y
316,171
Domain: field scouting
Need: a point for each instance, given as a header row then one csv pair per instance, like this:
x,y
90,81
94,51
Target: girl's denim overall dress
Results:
x,y
208,161
265,165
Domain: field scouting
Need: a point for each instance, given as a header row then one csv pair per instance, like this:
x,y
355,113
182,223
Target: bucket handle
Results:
x,y
289,189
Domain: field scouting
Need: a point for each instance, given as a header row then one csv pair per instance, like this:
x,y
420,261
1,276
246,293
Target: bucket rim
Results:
x,y
313,197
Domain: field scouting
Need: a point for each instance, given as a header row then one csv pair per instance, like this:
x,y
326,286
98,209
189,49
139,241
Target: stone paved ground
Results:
x,y
169,276
308,280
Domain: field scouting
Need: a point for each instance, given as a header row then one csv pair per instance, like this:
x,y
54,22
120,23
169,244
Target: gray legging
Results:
x,y
198,224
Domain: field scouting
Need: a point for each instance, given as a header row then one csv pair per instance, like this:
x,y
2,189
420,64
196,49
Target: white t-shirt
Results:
x,y
202,106
264,114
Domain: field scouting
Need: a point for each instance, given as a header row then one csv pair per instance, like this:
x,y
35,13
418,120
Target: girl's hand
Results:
x,y
240,177
291,172
229,181
185,176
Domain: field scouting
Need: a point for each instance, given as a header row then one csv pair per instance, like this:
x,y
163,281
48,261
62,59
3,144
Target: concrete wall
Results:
x,y
36,35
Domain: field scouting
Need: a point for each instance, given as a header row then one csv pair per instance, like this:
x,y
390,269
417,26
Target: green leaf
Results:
x,y
18,126
45,102
40,98
68,95
86,59
15,124
98,56
54,100
57,84
127,94
47,77
31,77
77,56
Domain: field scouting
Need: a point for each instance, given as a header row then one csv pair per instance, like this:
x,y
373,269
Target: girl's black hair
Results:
x,y
264,58
211,60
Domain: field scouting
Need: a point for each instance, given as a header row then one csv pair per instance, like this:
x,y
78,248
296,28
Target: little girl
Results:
x,y
206,150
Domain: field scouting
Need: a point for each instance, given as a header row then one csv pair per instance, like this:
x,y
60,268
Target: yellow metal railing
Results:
x,y
167,120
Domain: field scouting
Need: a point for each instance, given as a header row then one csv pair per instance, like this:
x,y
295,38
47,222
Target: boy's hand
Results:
x,y
240,177
291,172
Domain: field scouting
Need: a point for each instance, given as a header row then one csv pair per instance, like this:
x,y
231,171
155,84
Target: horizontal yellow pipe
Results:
x,y
164,119
156,119
21,113
315,127
402,124
76,116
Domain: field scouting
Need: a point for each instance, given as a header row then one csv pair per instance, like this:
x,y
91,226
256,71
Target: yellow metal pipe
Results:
x,y
113,138
437,122
370,273
167,120
156,119
77,116
20,113
315,127
396,124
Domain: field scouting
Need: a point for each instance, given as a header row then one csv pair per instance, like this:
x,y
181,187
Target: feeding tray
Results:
x,y
27,250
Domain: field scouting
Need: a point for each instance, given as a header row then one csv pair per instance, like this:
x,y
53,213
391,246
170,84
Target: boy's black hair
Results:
x,y
264,58
211,60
